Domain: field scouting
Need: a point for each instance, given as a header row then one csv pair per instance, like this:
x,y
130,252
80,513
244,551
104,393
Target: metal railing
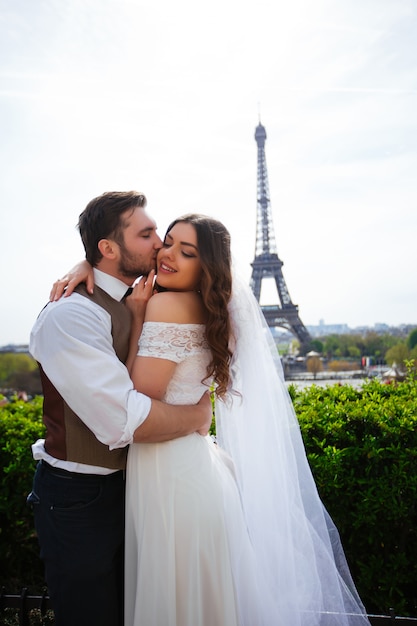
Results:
x,y
24,603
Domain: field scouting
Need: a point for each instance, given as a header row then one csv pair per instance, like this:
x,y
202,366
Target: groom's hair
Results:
x,y
103,218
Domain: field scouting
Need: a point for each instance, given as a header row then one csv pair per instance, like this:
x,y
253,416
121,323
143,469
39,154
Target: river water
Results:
x,y
356,383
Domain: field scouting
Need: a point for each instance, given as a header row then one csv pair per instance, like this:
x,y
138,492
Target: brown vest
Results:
x,y
67,437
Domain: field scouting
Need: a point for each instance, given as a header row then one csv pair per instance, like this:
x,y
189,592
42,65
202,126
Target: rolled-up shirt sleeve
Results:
x,y
72,341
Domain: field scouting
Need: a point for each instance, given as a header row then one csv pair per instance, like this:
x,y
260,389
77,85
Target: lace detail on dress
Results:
x,y
185,345
174,342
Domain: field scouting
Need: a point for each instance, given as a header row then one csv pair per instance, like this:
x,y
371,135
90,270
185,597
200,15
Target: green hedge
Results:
x,y
20,426
362,448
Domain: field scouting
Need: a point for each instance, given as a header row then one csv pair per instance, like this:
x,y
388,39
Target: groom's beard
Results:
x,y
133,265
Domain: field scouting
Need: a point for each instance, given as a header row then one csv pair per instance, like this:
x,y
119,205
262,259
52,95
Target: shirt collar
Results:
x,y
110,284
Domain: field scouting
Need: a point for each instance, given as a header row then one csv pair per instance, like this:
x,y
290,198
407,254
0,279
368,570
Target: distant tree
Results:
x,y
354,340
398,354
413,356
15,363
343,345
356,345
331,345
412,339
26,381
316,345
341,366
354,352
19,372
376,345
314,365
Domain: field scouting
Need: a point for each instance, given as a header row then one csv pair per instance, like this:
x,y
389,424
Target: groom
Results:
x,y
92,413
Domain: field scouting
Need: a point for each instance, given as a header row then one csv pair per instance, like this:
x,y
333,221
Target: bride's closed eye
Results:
x,y
188,255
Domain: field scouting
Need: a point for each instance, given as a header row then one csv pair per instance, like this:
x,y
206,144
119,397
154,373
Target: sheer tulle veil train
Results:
x,y
302,573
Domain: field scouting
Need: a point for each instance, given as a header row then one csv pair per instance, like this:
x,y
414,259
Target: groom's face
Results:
x,y
140,244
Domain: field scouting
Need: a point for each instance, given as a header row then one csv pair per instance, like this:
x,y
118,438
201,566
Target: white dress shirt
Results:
x,y
72,341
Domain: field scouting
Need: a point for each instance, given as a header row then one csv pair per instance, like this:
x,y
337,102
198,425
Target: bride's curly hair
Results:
x,y
213,241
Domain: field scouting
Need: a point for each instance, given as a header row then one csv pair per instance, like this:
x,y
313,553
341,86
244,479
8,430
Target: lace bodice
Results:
x,y
185,344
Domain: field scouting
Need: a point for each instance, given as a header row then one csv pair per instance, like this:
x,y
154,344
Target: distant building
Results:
x,y
381,328
328,329
323,330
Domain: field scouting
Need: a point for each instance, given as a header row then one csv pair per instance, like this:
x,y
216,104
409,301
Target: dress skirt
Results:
x,y
189,560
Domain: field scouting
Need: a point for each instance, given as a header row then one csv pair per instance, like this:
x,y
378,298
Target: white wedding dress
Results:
x,y
189,560
216,542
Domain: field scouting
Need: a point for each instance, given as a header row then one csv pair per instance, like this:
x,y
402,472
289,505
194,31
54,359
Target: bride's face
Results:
x,y
178,263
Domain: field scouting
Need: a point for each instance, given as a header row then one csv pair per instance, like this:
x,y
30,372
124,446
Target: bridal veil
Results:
x,y
302,573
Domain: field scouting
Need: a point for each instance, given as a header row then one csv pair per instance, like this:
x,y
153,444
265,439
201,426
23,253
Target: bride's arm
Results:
x,y
136,303
80,273
151,375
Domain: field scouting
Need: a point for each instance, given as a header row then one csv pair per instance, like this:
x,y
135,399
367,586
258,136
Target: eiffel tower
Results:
x,y
267,264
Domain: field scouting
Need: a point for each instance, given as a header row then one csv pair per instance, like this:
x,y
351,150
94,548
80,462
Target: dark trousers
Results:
x,y
79,520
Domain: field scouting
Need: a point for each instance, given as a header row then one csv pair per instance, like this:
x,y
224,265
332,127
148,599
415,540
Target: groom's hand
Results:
x,y
206,410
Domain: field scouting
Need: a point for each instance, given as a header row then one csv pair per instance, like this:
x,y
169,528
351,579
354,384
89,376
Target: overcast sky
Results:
x,y
164,97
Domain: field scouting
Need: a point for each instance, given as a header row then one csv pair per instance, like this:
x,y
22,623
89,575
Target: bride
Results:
x,y
231,533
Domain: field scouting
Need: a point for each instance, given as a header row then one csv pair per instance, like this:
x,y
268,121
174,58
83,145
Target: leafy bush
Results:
x,y
20,426
362,448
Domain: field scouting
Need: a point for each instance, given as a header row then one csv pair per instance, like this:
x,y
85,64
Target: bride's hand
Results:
x,y
140,296
80,273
